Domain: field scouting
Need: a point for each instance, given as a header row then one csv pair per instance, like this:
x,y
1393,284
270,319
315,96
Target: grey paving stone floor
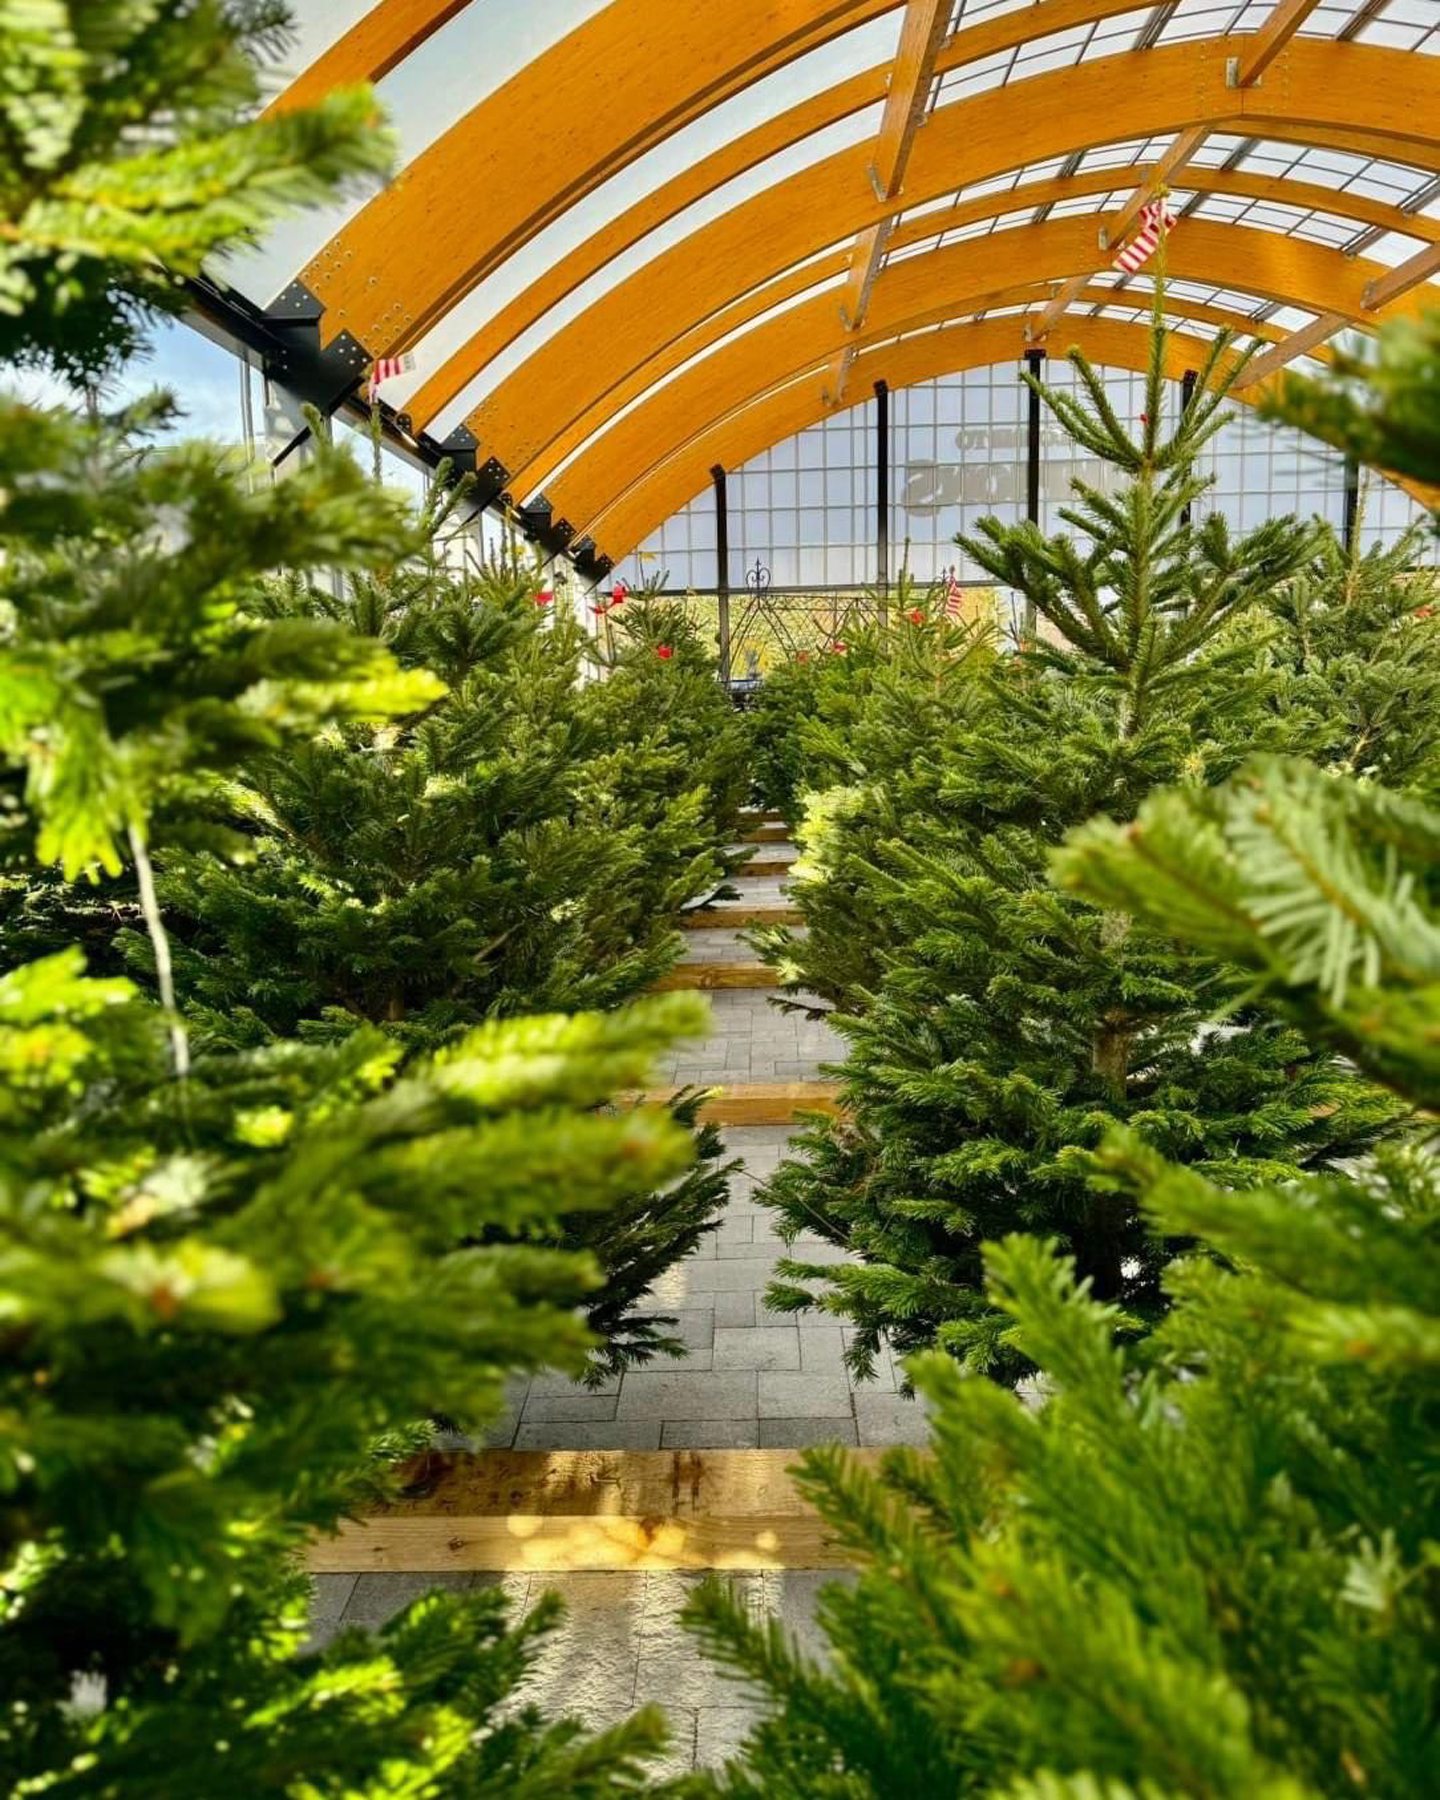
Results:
x,y
752,1379
621,1644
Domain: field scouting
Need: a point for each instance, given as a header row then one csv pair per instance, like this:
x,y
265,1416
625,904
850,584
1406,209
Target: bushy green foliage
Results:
x,y
846,748
1007,1028
1358,649
129,155
227,1276
1203,1564
660,699
505,846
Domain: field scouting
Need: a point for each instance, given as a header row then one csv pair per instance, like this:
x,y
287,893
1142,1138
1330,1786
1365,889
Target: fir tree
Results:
x,y
499,849
1359,646
1202,1565
1013,1026
227,1279
858,762
659,698
490,851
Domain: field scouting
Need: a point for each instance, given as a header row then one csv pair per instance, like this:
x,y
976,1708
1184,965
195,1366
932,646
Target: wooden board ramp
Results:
x,y
738,915
557,1510
690,975
754,1102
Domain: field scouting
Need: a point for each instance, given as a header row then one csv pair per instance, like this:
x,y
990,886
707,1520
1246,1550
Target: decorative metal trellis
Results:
x,y
770,625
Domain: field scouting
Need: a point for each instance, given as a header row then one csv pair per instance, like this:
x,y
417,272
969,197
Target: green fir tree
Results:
x,y
1013,1026
845,748
230,1278
497,850
1202,1565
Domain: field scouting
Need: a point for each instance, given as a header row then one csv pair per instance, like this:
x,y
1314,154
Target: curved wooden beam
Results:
x,y
971,44
1243,184
581,502
369,298
933,353
369,50
571,496
1319,93
543,140
923,290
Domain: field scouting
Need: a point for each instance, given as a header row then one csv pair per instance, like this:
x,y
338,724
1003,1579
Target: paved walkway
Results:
x,y
621,1645
753,1379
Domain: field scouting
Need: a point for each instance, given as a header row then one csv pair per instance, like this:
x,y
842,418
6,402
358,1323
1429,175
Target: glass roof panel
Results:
x,y
453,70
815,148
852,54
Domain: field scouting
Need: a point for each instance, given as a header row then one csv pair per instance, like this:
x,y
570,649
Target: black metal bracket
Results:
x,y
285,337
323,375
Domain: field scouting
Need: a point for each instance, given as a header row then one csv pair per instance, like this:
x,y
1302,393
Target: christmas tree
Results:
x,y
497,850
1202,1564
1358,646
1013,1026
845,747
231,1279
493,851
659,699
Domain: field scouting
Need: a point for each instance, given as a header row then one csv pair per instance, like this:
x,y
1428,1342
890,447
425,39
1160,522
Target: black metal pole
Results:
x,y
1352,503
882,492
1187,394
722,569
1035,359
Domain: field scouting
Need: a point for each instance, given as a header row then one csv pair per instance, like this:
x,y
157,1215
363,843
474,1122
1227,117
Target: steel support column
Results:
x,y
1187,394
722,569
1351,526
882,493
1034,359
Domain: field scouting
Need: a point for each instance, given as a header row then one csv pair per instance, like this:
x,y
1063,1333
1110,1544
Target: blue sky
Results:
x,y
204,379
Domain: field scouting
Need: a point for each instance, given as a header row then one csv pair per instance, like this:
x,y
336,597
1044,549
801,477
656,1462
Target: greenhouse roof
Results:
x,y
628,241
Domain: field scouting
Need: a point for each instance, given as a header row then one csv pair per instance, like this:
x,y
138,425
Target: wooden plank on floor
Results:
x,y
766,865
767,834
690,975
737,915
509,1510
755,1102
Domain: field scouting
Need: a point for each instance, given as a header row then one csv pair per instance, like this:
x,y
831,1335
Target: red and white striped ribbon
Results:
x,y
388,367
1156,219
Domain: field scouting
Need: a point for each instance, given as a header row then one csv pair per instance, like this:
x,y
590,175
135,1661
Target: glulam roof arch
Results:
x,y
628,240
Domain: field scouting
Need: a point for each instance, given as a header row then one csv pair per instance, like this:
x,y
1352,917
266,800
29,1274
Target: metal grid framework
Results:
x,y
630,239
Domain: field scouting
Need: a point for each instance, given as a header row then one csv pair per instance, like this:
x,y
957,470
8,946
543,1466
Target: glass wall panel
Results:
x,y
803,511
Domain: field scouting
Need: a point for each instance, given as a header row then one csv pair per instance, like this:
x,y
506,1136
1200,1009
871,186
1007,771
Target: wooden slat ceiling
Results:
x,y
615,374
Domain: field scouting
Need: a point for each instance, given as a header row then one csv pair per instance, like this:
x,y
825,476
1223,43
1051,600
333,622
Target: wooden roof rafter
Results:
x,y
1382,291
1347,97
971,276
922,32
